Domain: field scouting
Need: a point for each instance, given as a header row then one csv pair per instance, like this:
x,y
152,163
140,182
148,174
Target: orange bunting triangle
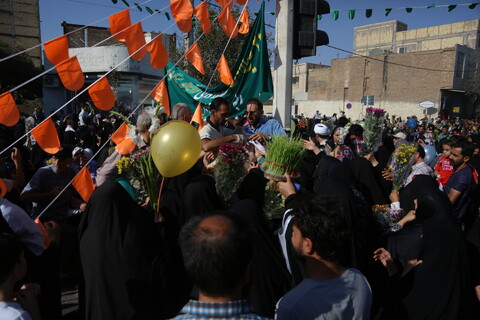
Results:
x,y
119,135
102,95
71,74
228,23
158,53
126,146
83,183
46,237
56,50
9,114
225,3
225,74
46,136
160,94
3,188
118,22
135,40
195,57
198,117
245,27
201,12
241,2
182,12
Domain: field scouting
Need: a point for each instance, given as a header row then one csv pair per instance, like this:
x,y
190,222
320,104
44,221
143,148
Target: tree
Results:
x,y
211,46
17,70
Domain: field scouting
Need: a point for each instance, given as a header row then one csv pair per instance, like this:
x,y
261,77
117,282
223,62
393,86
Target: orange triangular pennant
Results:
x,y
225,74
224,3
71,74
198,117
201,12
158,53
46,136
46,237
245,27
83,183
241,2
182,12
56,50
228,23
195,57
135,40
160,94
3,188
102,95
126,146
119,22
119,135
9,114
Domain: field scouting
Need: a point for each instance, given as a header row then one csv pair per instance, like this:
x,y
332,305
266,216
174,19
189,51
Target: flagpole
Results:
x,y
282,101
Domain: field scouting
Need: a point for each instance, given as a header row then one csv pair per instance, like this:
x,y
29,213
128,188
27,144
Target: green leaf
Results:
x,y
387,11
125,1
138,7
368,13
149,10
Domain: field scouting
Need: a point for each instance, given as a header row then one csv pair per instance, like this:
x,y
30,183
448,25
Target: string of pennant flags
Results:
x,y
334,13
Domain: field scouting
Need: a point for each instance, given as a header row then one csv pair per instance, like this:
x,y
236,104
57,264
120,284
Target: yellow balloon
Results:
x,y
175,148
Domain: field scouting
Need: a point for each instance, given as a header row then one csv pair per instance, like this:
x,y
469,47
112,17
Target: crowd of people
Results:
x,y
200,256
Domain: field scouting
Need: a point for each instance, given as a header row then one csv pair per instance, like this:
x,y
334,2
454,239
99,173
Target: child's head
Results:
x,y
447,147
13,262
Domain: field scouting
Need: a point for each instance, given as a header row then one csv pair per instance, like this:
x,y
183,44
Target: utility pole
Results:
x,y
282,102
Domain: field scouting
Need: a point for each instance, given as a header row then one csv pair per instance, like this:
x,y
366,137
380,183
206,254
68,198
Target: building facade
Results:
x,y
131,80
20,26
398,80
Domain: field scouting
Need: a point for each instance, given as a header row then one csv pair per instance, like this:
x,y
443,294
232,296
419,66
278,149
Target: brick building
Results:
x,y
20,26
437,64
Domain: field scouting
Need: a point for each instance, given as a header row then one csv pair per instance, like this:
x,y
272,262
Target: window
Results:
x,y
295,81
459,65
401,50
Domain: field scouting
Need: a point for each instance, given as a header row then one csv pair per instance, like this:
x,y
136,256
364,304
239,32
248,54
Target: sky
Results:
x,y
340,32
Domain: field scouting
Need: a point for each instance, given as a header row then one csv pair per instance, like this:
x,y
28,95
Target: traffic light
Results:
x,y
306,37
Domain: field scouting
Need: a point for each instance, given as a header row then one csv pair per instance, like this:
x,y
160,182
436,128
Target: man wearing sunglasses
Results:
x,y
213,134
259,128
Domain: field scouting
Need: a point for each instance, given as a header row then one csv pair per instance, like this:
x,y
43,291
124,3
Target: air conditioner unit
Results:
x,y
51,82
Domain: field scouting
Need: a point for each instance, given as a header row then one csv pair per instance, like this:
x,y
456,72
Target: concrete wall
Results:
x,y
20,26
394,37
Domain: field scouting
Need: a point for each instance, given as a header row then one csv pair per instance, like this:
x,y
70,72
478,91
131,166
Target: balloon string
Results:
x,y
158,200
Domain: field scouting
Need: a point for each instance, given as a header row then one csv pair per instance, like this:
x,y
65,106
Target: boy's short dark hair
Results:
x,y
10,254
421,151
216,261
323,220
449,142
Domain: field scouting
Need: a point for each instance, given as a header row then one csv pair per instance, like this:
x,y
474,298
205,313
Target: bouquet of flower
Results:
x,y
372,135
283,155
229,169
400,163
386,216
141,171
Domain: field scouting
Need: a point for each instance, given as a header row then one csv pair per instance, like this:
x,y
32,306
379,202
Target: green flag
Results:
x,y
368,13
251,73
351,14
335,14
387,11
451,7
408,9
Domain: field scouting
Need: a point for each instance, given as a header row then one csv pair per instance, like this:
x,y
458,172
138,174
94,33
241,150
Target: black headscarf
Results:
x,y
122,260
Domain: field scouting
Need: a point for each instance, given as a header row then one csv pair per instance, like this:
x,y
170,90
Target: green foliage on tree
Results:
x,y
16,71
211,46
